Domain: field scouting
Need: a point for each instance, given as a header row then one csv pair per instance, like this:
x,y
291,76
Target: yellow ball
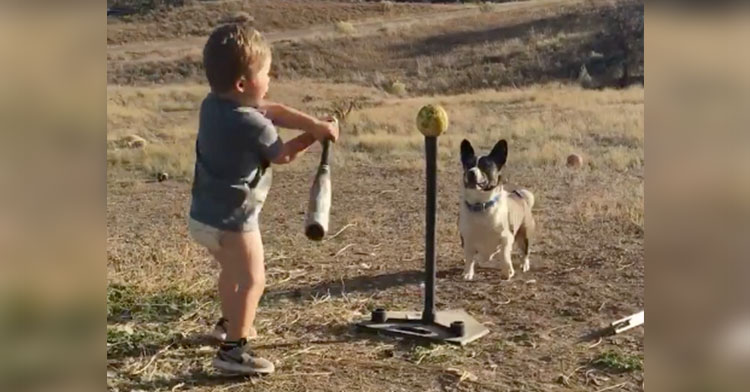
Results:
x,y
432,120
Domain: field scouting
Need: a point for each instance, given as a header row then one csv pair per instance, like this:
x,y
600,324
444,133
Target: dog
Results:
x,y
491,220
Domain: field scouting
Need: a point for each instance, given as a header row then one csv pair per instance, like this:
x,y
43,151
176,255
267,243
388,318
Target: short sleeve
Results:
x,y
269,143
265,141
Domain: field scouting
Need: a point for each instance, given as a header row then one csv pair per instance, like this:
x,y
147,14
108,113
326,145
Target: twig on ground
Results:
x,y
196,311
304,374
151,361
624,266
566,377
598,342
298,352
341,231
342,250
288,278
613,387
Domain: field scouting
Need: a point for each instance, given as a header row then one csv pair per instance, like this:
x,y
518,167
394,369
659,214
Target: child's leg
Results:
x,y
227,290
242,280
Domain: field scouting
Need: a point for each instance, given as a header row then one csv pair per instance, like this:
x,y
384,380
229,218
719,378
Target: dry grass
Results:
x,y
165,117
544,124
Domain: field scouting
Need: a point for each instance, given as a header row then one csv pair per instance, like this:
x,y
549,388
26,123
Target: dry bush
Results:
x,y
240,17
387,6
396,88
486,6
345,27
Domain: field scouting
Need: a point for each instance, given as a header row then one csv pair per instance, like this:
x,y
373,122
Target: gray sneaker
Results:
x,y
241,360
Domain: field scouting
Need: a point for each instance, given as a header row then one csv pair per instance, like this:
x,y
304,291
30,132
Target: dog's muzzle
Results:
x,y
475,178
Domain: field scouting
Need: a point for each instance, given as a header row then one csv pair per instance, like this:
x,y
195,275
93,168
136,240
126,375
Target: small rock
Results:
x,y
205,349
462,374
574,161
133,141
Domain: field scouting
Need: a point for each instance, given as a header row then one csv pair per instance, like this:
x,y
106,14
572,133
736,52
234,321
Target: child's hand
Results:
x,y
326,129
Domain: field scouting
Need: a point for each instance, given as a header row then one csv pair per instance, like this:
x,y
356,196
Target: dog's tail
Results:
x,y
528,196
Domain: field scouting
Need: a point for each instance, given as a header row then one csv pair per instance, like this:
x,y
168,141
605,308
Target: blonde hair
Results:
x,y
230,50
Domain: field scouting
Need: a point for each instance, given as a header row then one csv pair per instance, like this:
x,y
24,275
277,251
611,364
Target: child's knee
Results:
x,y
251,282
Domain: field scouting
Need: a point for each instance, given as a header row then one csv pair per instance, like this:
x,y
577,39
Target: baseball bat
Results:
x,y
318,209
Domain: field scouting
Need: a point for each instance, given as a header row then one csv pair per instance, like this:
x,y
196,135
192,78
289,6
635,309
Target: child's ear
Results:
x,y
499,153
240,84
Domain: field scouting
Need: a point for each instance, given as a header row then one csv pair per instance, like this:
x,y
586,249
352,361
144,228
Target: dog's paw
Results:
x,y
507,274
526,265
469,275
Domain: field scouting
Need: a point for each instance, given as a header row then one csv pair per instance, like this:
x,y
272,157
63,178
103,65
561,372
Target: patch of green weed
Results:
x,y
123,340
129,303
431,353
617,362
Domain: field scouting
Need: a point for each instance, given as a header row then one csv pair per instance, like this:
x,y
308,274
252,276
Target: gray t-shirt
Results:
x,y
234,147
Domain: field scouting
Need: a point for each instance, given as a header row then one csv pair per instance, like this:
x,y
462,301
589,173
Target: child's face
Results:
x,y
257,87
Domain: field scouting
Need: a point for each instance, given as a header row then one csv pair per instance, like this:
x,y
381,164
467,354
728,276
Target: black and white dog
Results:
x,y
491,220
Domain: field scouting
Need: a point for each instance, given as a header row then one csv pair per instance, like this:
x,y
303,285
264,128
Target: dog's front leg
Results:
x,y
469,262
506,267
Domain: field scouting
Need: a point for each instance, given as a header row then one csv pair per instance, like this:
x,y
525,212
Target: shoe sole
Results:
x,y
234,368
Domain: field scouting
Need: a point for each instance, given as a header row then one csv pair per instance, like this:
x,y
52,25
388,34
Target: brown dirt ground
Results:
x,y
583,275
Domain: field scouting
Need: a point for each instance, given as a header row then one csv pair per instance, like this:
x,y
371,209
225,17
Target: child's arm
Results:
x,y
287,117
293,148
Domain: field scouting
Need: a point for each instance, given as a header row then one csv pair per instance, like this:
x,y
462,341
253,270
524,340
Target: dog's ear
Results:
x,y
467,153
499,153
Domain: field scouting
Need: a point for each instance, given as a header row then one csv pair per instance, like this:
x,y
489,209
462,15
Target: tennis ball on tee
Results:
x,y
432,120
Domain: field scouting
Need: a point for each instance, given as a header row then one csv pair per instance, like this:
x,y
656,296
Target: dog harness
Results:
x,y
479,207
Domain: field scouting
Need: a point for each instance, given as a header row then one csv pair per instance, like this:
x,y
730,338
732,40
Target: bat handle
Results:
x,y
326,148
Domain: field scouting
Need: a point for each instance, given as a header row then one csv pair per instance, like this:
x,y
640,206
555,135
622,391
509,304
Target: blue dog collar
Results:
x,y
479,207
